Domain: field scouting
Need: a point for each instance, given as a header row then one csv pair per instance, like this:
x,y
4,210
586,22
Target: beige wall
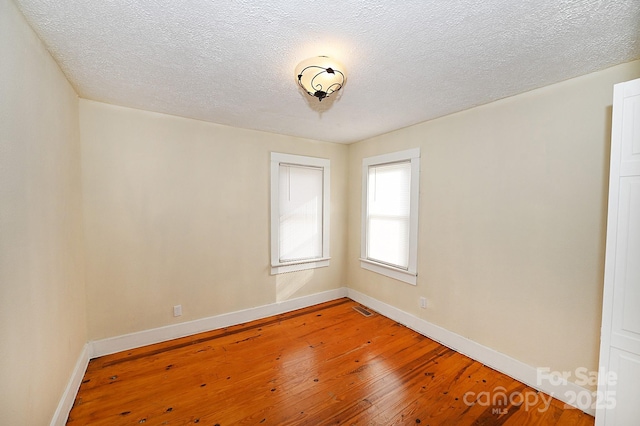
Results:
x,y
177,212
512,221
42,298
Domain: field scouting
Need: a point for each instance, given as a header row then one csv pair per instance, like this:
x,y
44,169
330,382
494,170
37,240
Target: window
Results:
x,y
299,212
389,243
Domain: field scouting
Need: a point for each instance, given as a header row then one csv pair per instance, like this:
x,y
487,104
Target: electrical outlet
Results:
x,y
177,310
423,302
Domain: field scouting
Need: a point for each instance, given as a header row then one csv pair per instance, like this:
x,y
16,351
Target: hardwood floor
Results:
x,y
326,364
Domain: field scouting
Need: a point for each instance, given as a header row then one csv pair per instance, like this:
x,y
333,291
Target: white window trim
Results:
x,y
278,267
411,273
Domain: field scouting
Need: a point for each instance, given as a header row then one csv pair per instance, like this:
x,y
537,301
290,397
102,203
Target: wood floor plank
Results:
x,y
325,364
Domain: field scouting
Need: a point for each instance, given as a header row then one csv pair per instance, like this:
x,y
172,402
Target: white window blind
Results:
x,y
388,213
390,191
300,212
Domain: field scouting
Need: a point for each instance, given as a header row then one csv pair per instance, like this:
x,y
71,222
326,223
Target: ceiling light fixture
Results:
x,y
321,76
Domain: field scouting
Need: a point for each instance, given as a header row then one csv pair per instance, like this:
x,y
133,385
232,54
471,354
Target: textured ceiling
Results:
x,y
232,62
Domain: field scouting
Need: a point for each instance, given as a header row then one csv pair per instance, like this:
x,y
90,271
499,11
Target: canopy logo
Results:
x,y
500,400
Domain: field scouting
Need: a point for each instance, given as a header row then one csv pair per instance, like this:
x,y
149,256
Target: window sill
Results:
x,y
283,268
389,271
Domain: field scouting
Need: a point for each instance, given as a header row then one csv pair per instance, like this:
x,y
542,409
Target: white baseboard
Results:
x,y
520,371
174,331
496,360
70,392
